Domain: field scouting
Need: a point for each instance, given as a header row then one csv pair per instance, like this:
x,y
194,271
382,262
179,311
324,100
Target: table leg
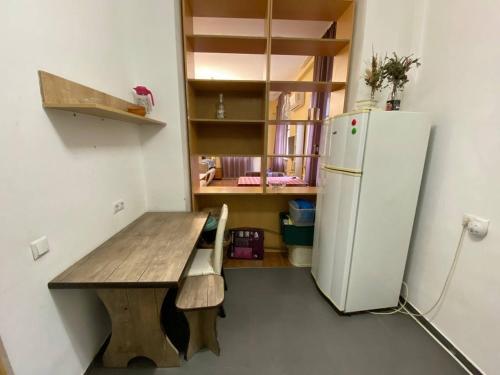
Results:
x,y
136,328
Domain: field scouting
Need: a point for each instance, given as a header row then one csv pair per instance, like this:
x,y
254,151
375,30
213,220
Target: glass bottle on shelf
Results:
x,y
221,113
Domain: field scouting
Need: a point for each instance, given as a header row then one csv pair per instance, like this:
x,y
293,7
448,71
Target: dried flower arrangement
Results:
x,y
374,75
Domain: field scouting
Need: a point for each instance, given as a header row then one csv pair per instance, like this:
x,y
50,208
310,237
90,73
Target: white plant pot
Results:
x,y
367,104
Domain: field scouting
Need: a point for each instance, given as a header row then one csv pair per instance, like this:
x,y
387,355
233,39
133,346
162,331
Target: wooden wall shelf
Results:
x,y
62,94
307,46
227,44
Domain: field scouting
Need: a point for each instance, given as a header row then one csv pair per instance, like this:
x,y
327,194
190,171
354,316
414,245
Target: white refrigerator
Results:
x,y
371,169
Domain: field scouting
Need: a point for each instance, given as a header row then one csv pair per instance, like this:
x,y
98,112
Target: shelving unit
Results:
x,y
246,129
62,94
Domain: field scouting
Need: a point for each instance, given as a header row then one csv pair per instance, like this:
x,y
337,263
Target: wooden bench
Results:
x,y
199,298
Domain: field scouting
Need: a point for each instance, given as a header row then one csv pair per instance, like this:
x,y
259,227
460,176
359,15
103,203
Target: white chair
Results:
x,y
209,261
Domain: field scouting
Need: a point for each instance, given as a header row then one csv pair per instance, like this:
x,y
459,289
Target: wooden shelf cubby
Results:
x,y
305,86
227,44
312,10
249,127
227,8
244,100
214,139
307,46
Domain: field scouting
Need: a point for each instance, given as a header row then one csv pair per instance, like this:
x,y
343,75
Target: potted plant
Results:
x,y
395,70
374,79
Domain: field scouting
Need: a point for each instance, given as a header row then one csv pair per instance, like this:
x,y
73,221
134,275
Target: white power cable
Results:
x,y
399,309
445,287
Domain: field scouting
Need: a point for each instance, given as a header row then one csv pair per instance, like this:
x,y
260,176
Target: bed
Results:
x,y
287,180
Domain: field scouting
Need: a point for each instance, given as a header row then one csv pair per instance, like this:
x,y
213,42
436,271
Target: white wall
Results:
x,y
60,174
459,84
160,65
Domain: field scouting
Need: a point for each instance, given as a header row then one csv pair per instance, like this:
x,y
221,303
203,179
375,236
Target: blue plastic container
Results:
x,y
302,217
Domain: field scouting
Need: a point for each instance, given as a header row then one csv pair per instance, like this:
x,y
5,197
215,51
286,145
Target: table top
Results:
x,y
153,251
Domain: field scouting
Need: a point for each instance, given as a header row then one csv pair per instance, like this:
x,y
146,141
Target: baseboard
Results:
x,y
443,341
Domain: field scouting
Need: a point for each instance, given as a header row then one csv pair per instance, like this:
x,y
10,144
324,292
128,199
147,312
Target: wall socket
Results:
x,y
476,226
118,206
39,247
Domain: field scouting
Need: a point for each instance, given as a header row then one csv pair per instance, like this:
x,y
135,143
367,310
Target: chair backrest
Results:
x,y
219,241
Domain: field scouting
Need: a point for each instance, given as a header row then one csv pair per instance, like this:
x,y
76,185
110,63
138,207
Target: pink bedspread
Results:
x,y
255,181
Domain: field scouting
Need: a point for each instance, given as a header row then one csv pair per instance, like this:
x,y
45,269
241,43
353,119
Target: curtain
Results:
x,y
280,138
323,70
236,166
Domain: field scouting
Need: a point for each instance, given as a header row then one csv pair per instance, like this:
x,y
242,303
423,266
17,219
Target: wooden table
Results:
x,y
132,273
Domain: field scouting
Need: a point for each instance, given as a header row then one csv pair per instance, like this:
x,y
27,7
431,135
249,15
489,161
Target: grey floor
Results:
x,y
278,323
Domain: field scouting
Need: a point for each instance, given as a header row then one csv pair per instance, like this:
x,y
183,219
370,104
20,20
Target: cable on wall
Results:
x,y
458,249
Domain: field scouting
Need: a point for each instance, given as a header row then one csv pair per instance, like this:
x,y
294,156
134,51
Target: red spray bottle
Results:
x,y
144,97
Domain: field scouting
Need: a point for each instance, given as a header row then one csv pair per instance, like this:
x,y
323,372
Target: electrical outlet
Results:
x,y
39,247
118,206
476,226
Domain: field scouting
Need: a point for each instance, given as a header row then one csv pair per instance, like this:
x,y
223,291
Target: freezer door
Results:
x,y
347,144
335,236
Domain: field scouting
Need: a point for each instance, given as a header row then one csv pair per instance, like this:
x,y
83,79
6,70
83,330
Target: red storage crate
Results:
x,y
246,243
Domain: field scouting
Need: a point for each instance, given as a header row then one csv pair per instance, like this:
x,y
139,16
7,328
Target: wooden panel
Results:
x,y
307,46
291,190
200,292
227,85
294,122
227,44
106,112
5,368
60,93
303,86
202,331
229,8
136,327
260,211
187,28
228,140
228,190
206,121
152,251
271,260
317,10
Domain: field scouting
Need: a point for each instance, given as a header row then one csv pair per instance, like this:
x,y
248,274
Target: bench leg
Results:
x,y
202,330
136,328
224,277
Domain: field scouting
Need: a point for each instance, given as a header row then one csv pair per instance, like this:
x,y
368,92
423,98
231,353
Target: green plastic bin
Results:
x,y
293,235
